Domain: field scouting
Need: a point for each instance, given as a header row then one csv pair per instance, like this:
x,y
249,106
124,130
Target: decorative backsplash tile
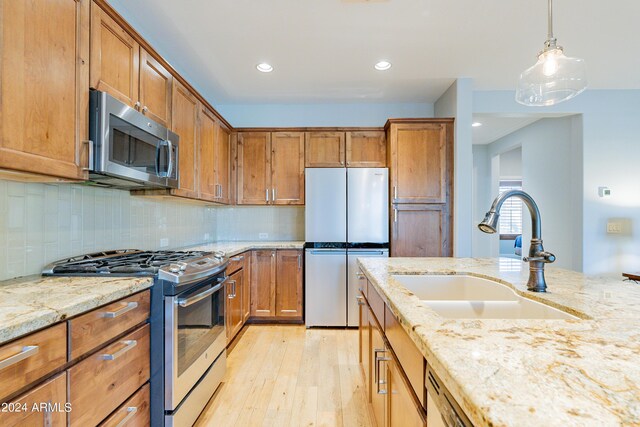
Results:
x,y
41,223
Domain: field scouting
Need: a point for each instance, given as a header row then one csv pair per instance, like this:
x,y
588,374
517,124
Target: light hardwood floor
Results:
x,y
291,376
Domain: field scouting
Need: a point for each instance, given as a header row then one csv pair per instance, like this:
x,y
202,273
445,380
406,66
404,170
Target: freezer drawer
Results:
x,y
354,282
368,205
325,287
325,205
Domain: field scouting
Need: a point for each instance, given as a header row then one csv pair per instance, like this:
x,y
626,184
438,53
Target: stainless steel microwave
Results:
x,y
128,150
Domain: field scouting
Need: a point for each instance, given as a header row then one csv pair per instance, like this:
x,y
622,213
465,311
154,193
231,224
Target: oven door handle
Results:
x,y
186,302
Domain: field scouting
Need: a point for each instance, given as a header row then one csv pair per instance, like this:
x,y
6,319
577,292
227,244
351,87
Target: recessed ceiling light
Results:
x,y
382,65
476,124
264,67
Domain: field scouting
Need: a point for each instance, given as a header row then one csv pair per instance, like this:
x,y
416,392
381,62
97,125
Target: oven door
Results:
x,y
195,336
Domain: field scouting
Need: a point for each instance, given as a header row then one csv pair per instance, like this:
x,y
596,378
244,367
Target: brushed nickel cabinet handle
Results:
x,y
273,194
113,356
267,194
232,294
128,306
360,300
379,381
360,275
27,351
145,109
131,412
237,258
137,105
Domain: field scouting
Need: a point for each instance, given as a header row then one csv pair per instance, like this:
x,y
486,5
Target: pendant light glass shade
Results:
x,y
554,78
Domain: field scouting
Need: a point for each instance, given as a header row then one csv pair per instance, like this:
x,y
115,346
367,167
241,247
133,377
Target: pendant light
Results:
x,y
554,78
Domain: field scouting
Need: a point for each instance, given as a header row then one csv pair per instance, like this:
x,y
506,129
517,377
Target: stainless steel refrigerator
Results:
x,y
346,217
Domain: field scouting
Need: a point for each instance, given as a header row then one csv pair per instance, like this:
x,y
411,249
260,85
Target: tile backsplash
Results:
x,y
41,223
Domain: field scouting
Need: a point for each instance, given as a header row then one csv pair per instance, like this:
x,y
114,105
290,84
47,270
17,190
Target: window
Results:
x,y
511,212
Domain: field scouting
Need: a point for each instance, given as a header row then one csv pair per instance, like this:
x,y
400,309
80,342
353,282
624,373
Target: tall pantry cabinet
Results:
x,y
420,159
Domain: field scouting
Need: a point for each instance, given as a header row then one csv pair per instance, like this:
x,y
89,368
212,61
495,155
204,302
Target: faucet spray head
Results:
x,y
490,223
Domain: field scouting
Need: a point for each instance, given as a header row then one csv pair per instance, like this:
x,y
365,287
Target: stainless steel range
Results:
x,y
188,335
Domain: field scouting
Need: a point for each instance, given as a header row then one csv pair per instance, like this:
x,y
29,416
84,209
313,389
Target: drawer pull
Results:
x,y
127,307
131,412
129,345
27,351
237,258
360,300
360,275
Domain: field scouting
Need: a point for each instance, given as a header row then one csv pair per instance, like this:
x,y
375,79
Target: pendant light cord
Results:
x,y
550,27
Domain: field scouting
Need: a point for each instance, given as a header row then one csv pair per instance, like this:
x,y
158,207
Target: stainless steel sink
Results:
x,y
469,297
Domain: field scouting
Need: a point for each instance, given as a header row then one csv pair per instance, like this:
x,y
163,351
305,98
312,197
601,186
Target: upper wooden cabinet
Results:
x,y
270,168
221,164
324,149
287,168
184,122
421,161
367,149
120,67
44,76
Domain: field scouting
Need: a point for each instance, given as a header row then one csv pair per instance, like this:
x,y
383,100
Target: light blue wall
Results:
x,y
610,152
301,115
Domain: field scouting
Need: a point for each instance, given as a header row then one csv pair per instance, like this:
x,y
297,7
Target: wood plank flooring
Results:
x,y
288,375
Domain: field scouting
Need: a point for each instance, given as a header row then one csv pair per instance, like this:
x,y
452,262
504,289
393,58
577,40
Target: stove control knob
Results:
x,y
174,268
182,266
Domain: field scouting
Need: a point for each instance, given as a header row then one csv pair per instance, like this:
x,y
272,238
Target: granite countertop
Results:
x,y
30,303
534,372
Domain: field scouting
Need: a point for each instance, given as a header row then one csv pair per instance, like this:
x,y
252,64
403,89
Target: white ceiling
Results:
x,y
324,50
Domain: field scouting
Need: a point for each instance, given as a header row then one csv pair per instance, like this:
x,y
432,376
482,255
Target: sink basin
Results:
x,y
521,309
469,297
455,287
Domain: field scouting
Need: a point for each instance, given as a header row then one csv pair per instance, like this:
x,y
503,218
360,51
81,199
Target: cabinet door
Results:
x,y
52,392
263,284
366,149
115,58
221,164
287,168
289,284
420,231
206,155
233,314
364,336
246,290
155,89
378,382
44,75
254,168
401,409
419,164
184,122
324,149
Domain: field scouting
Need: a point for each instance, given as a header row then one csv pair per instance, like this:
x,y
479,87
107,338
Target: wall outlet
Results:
x,y
263,236
619,226
164,243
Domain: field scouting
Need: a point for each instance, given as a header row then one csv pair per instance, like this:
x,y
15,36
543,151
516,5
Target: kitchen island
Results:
x,y
548,372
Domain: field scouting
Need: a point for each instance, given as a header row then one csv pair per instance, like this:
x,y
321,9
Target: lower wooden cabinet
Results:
x,y
233,307
421,230
378,352
50,400
276,284
133,413
400,407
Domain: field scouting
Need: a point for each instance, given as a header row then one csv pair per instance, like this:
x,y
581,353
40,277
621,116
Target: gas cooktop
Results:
x,y
122,262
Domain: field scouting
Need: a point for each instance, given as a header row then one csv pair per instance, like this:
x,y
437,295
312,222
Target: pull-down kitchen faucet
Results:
x,y
538,257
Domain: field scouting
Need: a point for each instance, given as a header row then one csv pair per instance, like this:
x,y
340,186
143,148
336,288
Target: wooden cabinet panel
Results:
x,y
115,58
419,163
263,284
222,161
92,329
364,336
376,303
133,413
52,392
246,287
206,155
324,149
155,89
420,231
184,122
103,381
366,149
44,76
410,358
233,312
287,168
35,356
378,373
254,168
400,406
289,284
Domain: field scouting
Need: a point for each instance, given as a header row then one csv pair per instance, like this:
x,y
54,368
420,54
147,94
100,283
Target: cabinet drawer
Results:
x,y
376,303
93,329
30,358
236,263
411,360
133,413
53,393
103,381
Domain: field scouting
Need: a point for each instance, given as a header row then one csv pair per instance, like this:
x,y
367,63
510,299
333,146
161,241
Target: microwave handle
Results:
x,y
165,143
170,165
